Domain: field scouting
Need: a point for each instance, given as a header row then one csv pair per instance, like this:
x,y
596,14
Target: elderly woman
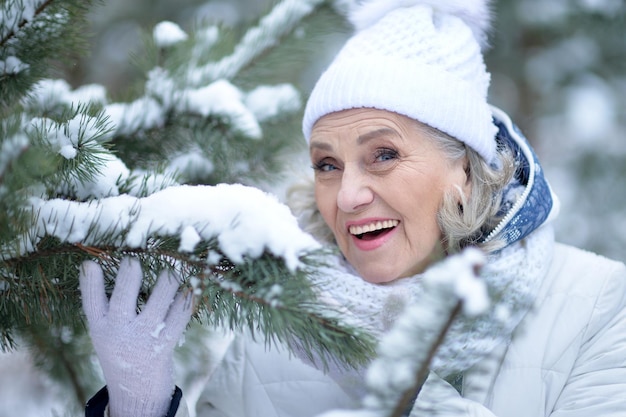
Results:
x,y
411,165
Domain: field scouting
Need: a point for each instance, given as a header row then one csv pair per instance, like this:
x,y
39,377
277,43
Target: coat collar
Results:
x,y
528,201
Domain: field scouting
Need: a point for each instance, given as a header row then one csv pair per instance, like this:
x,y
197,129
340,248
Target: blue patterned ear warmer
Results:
x,y
421,59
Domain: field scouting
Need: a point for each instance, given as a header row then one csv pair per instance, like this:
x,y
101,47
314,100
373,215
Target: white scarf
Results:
x,y
513,277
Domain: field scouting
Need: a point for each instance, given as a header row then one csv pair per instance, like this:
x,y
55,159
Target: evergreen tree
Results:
x,y
84,177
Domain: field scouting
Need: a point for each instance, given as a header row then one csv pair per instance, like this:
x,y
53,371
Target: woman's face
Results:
x,y
379,184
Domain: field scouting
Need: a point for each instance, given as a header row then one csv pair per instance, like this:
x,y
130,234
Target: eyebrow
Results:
x,y
385,131
321,145
360,140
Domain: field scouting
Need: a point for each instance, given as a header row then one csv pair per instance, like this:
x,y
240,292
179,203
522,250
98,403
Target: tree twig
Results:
x,y
408,397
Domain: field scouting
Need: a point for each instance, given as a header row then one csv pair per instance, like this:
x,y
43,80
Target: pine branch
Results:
x,y
23,21
407,399
33,38
93,180
281,20
261,295
259,282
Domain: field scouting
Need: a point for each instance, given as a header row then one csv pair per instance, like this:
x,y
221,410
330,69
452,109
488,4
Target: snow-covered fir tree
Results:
x,y
158,176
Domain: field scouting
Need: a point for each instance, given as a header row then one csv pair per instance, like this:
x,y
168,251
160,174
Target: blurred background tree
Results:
x,y
559,67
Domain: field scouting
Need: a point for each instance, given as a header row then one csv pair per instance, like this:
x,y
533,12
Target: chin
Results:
x,y
378,277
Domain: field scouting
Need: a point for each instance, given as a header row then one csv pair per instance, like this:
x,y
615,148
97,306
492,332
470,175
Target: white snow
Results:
x,y
143,113
13,13
157,330
607,7
353,413
230,286
69,135
468,287
48,93
161,87
213,258
104,184
13,65
283,17
266,102
89,93
206,37
167,34
223,99
191,165
457,272
246,221
189,238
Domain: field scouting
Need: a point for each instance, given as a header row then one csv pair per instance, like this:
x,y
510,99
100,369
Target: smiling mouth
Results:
x,y
372,230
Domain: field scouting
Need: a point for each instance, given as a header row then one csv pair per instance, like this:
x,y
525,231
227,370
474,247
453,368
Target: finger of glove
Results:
x,y
94,299
123,304
179,315
161,298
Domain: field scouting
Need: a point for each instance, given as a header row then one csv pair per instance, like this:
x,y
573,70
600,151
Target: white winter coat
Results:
x,y
566,359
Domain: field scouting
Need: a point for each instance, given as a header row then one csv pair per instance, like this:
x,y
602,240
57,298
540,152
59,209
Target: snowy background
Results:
x,y
559,67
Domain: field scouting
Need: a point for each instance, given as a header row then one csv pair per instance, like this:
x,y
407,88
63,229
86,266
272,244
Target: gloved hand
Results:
x,y
439,398
135,350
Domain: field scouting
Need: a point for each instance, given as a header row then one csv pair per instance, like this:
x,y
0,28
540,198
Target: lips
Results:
x,y
372,234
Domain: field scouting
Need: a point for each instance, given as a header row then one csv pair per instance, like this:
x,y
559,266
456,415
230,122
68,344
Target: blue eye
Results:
x,y
324,166
385,154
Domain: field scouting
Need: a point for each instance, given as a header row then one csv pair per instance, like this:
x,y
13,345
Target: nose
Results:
x,y
355,191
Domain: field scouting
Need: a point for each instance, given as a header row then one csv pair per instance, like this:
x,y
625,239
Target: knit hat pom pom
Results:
x,y
476,14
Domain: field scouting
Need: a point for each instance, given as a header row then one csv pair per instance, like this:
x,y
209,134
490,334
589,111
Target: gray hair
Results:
x,y
463,219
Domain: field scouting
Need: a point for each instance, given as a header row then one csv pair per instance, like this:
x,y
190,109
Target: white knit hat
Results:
x,y
421,59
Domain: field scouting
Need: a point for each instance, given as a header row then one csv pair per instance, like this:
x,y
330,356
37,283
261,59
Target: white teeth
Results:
x,y
385,224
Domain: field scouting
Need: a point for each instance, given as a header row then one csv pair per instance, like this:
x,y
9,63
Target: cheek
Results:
x,y
417,196
420,203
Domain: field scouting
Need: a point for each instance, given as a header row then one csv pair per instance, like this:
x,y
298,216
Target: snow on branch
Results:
x,y
206,90
12,65
245,221
256,41
168,33
221,98
16,13
47,94
241,250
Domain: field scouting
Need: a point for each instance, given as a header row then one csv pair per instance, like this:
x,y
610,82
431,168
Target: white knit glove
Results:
x,y
135,350
439,398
